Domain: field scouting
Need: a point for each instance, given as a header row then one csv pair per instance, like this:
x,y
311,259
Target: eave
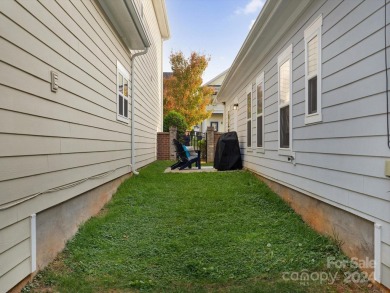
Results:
x,y
211,82
162,18
275,19
127,21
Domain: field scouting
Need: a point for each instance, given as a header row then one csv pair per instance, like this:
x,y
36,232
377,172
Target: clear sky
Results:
x,y
216,28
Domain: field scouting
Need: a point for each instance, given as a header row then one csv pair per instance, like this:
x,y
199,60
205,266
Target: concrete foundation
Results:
x,y
55,226
355,234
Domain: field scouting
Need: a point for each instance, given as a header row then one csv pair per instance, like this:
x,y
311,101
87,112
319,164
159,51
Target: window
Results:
x,y
313,72
249,118
260,111
122,90
214,125
285,101
228,121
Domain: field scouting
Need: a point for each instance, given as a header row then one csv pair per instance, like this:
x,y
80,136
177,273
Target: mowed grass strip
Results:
x,y
198,232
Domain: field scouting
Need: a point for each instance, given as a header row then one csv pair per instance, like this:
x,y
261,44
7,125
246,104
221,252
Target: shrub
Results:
x,y
203,148
174,118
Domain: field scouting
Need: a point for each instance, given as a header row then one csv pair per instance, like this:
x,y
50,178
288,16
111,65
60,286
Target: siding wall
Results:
x,y
51,139
341,160
215,117
148,91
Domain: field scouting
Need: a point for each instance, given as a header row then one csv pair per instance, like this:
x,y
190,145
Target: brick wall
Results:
x,y
163,146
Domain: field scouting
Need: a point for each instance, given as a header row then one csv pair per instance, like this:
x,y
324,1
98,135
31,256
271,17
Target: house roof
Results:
x,y
162,18
218,79
167,74
276,17
127,20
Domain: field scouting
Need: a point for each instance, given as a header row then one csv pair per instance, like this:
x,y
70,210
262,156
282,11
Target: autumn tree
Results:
x,y
183,90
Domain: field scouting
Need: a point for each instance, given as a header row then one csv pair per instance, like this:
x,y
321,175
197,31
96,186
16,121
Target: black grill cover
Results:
x,y
227,153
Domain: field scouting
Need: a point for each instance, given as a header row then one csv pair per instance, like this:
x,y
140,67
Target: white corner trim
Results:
x,y
33,240
377,252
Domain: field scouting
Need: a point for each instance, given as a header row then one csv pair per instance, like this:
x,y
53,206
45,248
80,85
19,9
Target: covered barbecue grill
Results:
x,y
227,153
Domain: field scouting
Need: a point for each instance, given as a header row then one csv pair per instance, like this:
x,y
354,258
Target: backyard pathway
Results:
x,y
195,232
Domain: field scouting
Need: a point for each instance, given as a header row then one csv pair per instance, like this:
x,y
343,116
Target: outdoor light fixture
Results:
x,y
235,106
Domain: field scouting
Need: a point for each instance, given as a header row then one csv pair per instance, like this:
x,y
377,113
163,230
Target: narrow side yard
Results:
x,y
200,232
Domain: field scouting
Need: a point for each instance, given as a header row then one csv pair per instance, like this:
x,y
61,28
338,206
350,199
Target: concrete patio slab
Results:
x,y
192,170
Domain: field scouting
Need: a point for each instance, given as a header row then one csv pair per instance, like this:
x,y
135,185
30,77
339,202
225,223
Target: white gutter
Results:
x,y
124,15
133,169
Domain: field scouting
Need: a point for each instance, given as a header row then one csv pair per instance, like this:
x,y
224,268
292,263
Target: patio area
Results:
x,y
196,232
192,170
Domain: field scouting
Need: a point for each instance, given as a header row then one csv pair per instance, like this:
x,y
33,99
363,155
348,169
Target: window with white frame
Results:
x,y
249,117
285,100
228,121
313,72
260,110
122,96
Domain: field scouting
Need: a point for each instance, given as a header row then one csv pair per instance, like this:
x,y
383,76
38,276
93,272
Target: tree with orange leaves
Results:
x,y
183,90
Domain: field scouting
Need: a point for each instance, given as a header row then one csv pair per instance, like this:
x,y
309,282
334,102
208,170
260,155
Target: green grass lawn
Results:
x,y
197,232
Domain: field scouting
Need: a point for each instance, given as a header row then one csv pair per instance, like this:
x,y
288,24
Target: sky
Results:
x,y
216,28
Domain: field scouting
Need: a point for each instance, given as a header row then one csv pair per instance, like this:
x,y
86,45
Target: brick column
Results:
x,y
210,144
163,146
172,135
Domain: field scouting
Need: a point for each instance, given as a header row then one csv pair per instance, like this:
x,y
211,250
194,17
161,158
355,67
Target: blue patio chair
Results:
x,y
185,157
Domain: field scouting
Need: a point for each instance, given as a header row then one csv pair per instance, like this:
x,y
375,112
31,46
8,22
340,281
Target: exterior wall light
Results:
x,y
235,106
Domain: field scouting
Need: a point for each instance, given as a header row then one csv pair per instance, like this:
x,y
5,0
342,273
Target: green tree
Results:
x,y
183,91
175,119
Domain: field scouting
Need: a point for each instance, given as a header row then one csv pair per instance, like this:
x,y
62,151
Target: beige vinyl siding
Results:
x,y
15,253
341,160
148,72
51,139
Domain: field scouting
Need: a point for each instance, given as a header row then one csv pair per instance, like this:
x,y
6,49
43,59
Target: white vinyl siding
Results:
x,y
341,160
54,139
285,101
148,92
260,111
313,113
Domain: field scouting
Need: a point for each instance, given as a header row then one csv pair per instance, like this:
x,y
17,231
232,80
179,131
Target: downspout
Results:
x,y
132,109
